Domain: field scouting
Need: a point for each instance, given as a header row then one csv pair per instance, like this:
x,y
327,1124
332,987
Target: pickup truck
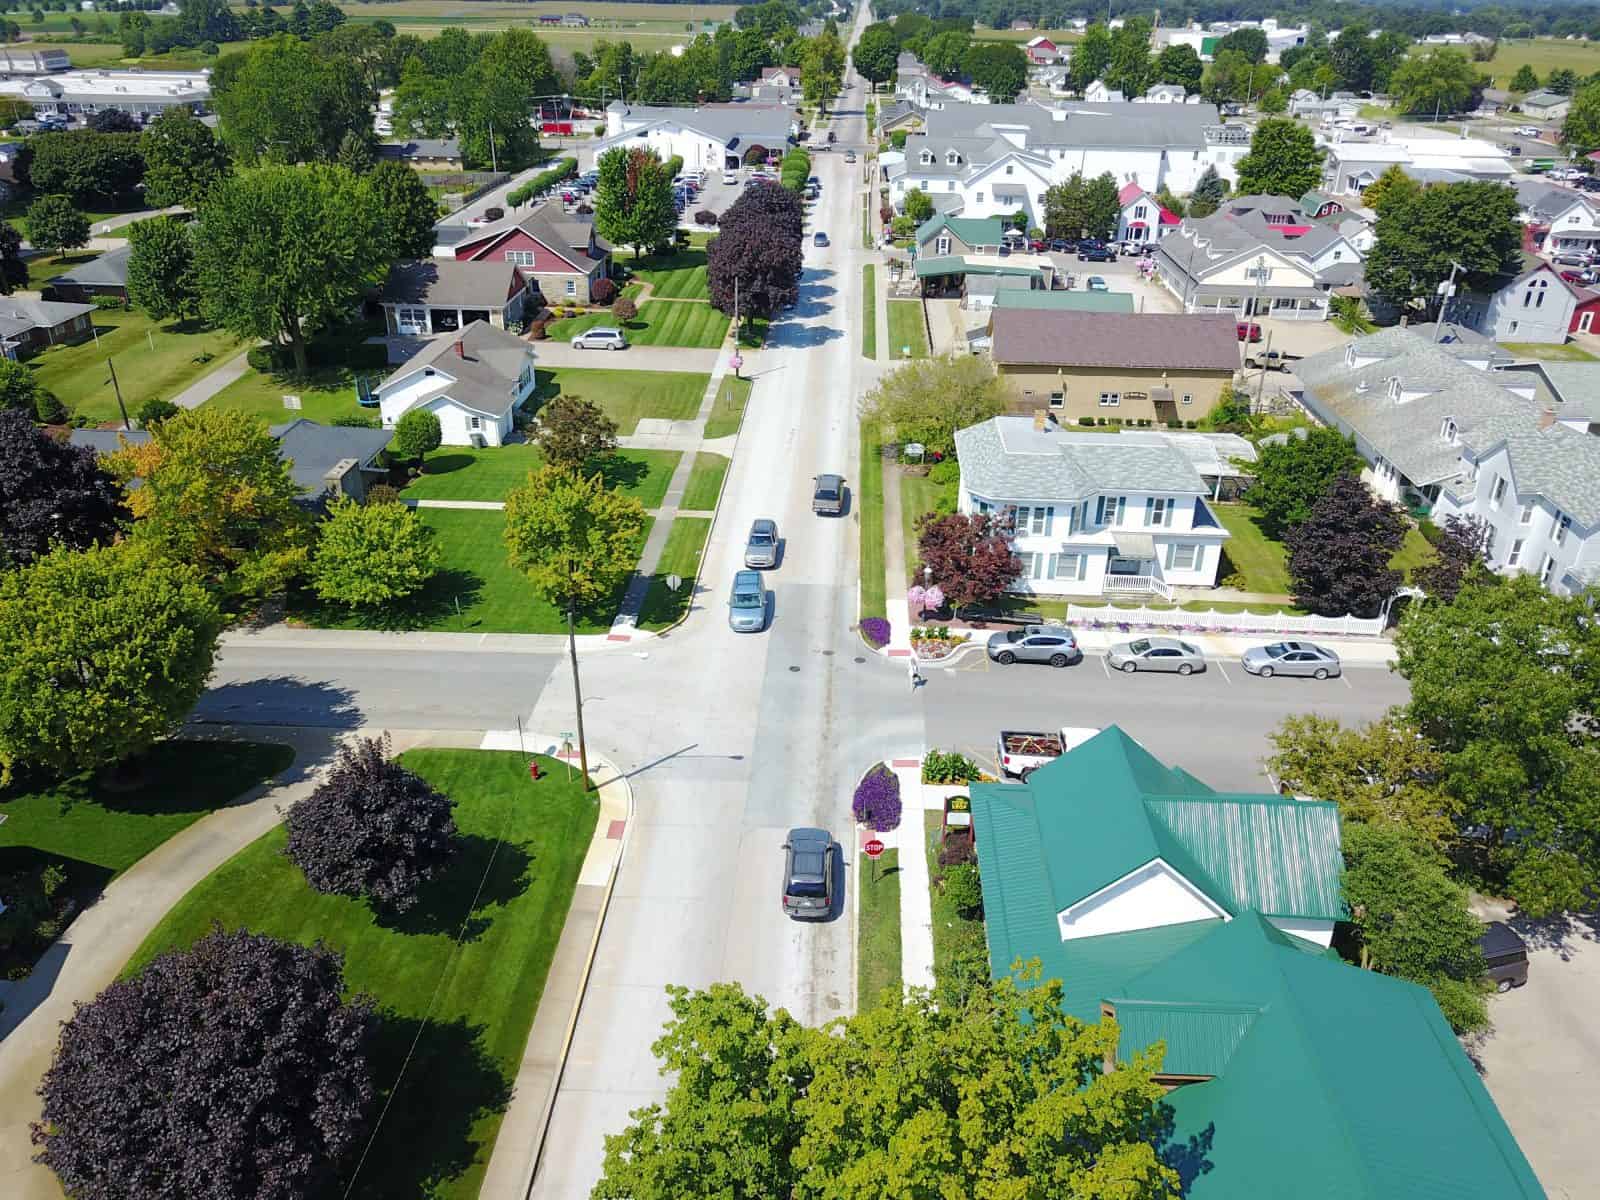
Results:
x,y
1271,360
1023,751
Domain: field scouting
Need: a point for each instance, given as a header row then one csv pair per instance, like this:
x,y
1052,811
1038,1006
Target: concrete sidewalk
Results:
x,y
916,906
296,637
207,386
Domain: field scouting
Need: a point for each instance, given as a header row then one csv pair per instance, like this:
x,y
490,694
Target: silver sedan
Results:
x,y
1291,658
1156,654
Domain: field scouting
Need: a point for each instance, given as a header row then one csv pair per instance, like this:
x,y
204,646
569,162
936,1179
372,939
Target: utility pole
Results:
x,y
1261,381
1445,293
116,387
494,164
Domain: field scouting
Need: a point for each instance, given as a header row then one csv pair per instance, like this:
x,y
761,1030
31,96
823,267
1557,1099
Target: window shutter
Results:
x,y
1054,561
1149,510
1122,508
1099,510
1167,519
1049,523
1172,553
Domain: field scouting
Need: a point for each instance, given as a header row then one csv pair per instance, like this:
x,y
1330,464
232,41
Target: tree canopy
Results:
x,y
161,272
406,210
1284,160
372,554
971,556
927,399
280,101
1580,128
875,53
633,199
758,244
1443,81
86,165
1079,207
182,158
999,68
1293,475
574,538
574,432
1420,237
53,224
51,493
1339,555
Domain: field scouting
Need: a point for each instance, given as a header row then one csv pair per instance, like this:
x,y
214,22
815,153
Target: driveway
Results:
x,y
1541,1061
553,353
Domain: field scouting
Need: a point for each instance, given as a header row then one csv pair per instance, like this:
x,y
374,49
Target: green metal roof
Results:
x,y
1063,301
954,264
974,231
1199,1038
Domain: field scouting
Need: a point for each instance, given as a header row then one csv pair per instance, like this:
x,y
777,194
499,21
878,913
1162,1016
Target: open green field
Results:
x,y
151,360
649,27
626,396
686,541
727,410
680,276
475,591
461,974
907,329
878,935
1542,54
659,323
93,833
470,473
1026,35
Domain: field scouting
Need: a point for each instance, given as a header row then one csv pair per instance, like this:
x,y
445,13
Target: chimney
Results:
x,y
461,349
1547,418
1040,418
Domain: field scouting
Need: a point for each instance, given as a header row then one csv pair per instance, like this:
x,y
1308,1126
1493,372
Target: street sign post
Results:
x,y
874,851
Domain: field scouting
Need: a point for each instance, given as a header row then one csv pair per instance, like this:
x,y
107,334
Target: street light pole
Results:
x,y
1444,299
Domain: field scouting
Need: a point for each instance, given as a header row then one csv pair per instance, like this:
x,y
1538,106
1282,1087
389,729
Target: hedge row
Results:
x,y
542,182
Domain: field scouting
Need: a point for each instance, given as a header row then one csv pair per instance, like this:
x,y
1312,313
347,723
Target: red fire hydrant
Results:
x,y
533,768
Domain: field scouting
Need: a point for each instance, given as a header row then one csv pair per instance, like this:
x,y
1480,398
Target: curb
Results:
x,y
583,983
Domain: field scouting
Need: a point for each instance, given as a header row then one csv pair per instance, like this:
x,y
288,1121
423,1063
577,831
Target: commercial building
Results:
x,y
711,137
1352,164
140,93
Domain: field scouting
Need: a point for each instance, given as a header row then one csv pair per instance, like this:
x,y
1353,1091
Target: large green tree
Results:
x,y
875,53
1209,192
1178,63
822,64
1393,187
1131,69
283,251
1000,1096
54,225
1351,57
1079,207
1284,160
999,68
161,275
1443,81
1503,682
1580,131
926,400
371,554
946,53
1420,238
182,159
281,102
85,164
215,493
102,651
406,210
1090,57
1292,475
633,199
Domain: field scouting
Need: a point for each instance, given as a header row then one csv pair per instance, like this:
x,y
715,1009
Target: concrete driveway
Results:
x,y
559,353
1541,1061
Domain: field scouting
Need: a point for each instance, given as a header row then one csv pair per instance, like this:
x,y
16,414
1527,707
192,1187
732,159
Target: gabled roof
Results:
x,y
1544,100
482,376
106,270
1059,299
974,231
421,148
451,282
1148,341
1007,459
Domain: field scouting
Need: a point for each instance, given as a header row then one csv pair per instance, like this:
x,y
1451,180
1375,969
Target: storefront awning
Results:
x,y
1134,545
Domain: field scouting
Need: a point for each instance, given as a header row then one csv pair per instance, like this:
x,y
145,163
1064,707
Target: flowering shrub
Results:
x,y
940,766
877,800
876,631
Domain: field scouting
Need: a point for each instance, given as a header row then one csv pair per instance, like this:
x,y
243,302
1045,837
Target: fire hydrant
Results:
x,y
533,769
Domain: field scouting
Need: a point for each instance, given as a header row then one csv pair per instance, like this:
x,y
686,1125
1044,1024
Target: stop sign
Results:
x,y
873,849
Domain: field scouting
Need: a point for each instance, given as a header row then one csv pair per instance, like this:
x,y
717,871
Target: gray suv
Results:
x,y
761,547
827,495
807,877
1053,644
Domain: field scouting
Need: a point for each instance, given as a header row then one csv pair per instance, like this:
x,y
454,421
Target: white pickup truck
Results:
x,y
1023,751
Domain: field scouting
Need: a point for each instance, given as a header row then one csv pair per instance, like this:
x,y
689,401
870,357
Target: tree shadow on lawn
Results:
x,y
450,1083
451,902
451,590
621,472
446,464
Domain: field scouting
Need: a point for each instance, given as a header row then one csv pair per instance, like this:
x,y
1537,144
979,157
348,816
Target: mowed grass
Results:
x,y
1026,35
705,482
878,935
476,590
907,330
83,54
469,1005
918,495
659,323
869,311
44,267
488,473
327,394
151,359
1542,54
680,276
680,556
626,396
1264,562
727,411
1549,351
870,494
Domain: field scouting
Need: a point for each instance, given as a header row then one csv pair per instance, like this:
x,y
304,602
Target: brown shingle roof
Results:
x,y
1035,337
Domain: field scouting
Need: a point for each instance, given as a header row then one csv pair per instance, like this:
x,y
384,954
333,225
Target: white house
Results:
x,y
1143,218
1167,93
711,137
1429,158
474,382
1098,93
1574,226
1093,514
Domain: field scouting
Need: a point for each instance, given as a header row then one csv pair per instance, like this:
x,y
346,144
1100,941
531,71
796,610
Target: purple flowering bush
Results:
x,y
876,631
877,800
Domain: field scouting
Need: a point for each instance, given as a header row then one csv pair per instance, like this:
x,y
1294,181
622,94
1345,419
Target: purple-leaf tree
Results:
x,y
233,1070
372,829
972,555
51,492
876,803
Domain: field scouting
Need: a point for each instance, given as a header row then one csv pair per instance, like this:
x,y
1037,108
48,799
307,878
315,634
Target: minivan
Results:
x,y
1505,955
600,338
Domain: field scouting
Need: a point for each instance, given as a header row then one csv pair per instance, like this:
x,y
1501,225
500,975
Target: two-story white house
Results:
x,y
1143,218
1092,514
474,382
1574,227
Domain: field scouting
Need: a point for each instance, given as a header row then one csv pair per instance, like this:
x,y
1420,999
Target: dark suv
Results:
x,y
1505,955
827,496
807,874
1095,252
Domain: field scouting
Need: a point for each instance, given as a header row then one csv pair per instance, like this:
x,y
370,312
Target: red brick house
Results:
x,y
560,254
1585,311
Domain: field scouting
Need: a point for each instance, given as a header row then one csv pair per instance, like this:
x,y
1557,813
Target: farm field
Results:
x,y
1542,54
1026,35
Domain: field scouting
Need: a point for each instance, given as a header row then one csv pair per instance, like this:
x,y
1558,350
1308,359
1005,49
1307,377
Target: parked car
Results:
x,y
1505,955
1527,131
1095,252
1053,644
1024,751
1573,258
1156,654
1063,245
808,873
730,177
849,156
1038,245
819,238
1270,360
601,337
1291,658
1566,173
827,495
1096,284
1248,331
761,547
747,603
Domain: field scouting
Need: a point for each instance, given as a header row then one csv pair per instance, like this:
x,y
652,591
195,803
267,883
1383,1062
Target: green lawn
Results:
x,y
869,311
1264,562
870,495
705,482
727,411
659,323
150,359
43,267
1542,54
475,591
954,936
328,393
93,833
907,328
680,276
626,396
878,935
84,54
1570,352
918,495
680,556
469,473
472,1001
1414,552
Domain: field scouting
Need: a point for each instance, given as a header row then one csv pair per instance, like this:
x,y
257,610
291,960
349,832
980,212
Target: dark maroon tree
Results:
x,y
51,492
770,207
371,829
113,120
13,270
765,267
233,1070
971,556
1461,551
1339,555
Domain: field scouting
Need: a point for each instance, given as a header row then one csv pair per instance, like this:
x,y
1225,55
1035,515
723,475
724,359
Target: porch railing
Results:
x,y
1135,585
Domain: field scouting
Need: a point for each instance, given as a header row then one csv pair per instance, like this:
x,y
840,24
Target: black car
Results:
x,y
1063,245
1505,956
1095,252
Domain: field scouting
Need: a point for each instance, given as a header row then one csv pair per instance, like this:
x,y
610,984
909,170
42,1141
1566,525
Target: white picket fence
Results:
x,y
1212,621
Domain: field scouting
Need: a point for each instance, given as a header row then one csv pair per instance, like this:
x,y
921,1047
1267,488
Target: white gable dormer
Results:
x,y
1150,896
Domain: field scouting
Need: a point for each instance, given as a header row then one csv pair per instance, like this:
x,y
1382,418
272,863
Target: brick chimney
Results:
x,y
1547,418
461,349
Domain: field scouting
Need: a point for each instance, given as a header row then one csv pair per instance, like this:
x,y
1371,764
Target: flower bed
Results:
x,y
874,631
876,803
935,642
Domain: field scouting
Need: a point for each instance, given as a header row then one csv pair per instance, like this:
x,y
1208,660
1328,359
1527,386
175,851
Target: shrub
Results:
x,y
267,360
624,309
957,849
603,292
705,217
877,800
155,409
876,631
33,915
1085,420
371,829
383,493
108,302
47,407
1189,424
416,433
1099,420
945,471
941,766
355,421
963,888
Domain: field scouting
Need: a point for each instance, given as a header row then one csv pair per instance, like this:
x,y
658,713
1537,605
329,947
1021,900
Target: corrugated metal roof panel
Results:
x,y
1200,1038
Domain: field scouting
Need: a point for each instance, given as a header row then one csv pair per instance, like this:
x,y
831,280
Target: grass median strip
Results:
x,y
874,602
908,333
878,935
727,411
467,1004
705,482
686,541
869,311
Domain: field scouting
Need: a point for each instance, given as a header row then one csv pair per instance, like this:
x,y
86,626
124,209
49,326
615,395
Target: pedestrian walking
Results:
x,y
916,679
